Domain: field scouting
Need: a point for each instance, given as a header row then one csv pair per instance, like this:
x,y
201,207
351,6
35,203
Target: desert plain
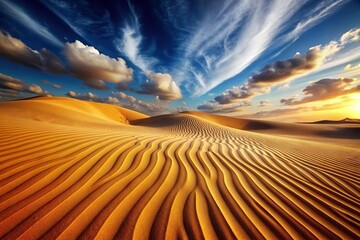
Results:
x,y
73,169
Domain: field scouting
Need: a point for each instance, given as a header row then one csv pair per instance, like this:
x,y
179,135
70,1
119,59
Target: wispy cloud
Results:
x,y
80,17
313,17
238,33
19,15
130,41
317,57
224,38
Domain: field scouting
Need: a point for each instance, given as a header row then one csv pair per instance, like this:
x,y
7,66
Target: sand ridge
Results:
x,y
344,132
172,176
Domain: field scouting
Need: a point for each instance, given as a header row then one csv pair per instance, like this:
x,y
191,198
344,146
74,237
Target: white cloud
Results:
x,y
323,9
87,63
89,96
236,33
130,46
161,85
282,71
130,42
78,15
260,23
351,36
33,88
350,67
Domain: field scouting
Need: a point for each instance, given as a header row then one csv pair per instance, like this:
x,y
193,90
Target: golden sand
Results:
x,y
72,169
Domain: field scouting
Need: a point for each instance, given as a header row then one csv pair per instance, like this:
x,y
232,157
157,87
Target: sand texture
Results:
x,y
72,169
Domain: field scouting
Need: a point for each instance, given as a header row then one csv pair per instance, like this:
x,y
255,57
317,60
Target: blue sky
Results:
x,y
243,58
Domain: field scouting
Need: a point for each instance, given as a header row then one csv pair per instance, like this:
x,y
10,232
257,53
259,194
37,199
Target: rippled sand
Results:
x,y
71,169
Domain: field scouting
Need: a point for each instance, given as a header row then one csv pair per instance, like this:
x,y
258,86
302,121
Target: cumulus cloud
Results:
x,y
112,100
89,96
325,89
33,88
352,35
7,82
285,70
265,103
94,68
350,67
15,50
240,92
183,107
288,101
215,107
161,85
12,87
150,108
123,96
84,62
123,100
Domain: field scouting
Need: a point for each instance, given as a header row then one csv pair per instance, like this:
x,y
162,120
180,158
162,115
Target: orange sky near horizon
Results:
x,y
347,106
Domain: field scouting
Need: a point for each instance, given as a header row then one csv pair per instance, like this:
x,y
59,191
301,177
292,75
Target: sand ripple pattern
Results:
x,y
175,176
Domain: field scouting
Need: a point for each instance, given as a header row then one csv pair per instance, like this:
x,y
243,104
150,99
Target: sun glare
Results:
x,y
354,105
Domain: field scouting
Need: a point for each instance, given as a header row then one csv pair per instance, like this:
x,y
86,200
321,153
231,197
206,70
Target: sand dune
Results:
x,y
344,133
68,111
71,169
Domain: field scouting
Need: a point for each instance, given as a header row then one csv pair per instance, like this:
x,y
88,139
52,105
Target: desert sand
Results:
x,y
73,169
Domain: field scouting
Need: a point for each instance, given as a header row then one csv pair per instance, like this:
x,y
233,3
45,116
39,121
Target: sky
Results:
x,y
280,60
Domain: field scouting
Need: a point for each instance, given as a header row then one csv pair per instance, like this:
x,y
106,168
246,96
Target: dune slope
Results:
x,y
167,177
66,111
343,133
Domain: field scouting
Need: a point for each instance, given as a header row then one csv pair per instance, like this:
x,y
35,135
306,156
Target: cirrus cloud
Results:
x,y
285,70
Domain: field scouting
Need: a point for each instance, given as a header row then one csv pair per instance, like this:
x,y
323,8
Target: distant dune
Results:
x,y
345,120
73,169
322,131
